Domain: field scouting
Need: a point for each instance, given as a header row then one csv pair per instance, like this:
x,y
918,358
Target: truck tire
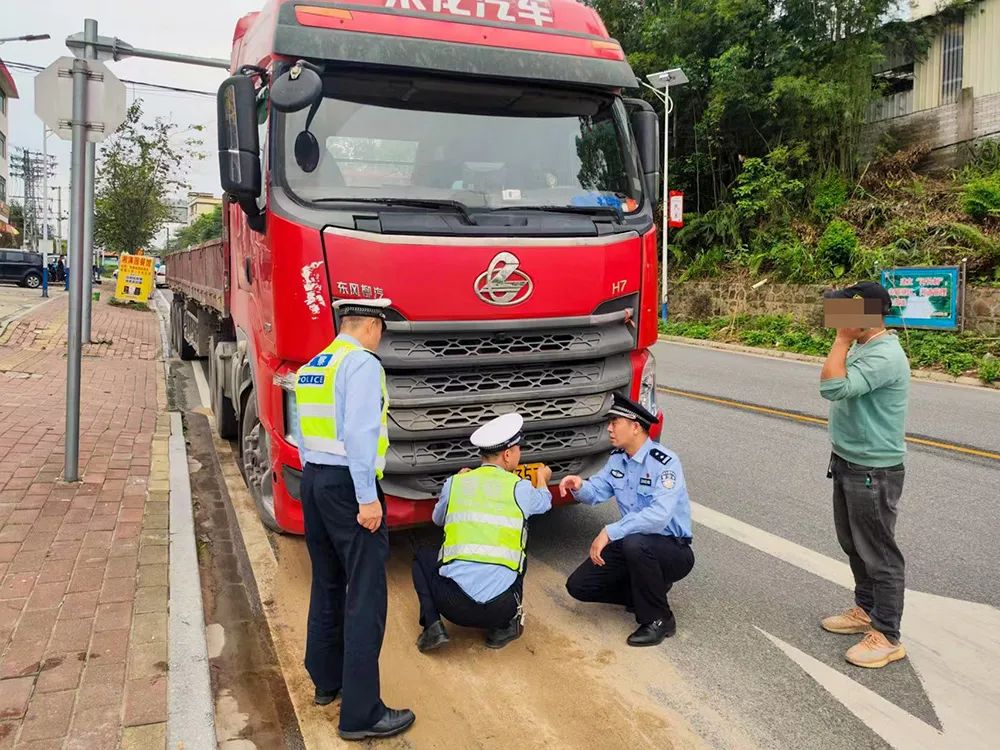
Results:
x,y
184,350
255,460
222,406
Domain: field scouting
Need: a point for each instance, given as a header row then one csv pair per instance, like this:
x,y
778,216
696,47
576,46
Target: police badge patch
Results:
x,y
617,474
668,479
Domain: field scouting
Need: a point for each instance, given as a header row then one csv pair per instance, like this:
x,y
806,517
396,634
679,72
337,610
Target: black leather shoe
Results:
x,y
393,721
654,633
325,697
500,637
434,636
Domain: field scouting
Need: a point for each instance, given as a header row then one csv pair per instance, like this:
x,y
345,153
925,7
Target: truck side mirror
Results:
x,y
239,146
646,129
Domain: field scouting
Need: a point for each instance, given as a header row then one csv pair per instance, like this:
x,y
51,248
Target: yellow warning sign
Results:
x,y
135,278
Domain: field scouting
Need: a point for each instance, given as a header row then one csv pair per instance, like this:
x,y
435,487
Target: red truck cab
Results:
x,y
475,162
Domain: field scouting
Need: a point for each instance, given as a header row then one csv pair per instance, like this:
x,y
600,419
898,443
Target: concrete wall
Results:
x,y
696,300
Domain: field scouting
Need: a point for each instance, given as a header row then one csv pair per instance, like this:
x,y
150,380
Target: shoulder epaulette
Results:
x,y
659,455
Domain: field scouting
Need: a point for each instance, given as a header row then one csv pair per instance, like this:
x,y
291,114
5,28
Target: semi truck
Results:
x,y
479,163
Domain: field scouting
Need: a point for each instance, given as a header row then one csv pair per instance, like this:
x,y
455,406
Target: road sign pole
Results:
x,y
90,53
78,160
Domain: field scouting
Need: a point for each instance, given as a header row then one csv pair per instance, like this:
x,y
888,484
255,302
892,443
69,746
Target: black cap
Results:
x,y
626,407
864,290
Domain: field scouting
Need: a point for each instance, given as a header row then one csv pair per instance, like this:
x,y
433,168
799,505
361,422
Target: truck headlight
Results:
x,y
647,384
291,412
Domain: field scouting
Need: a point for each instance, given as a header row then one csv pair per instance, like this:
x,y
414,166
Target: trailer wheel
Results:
x,y
222,407
184,350
256,461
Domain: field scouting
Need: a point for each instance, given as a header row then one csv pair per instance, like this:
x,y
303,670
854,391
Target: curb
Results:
x,y
931,375
5,322
190,706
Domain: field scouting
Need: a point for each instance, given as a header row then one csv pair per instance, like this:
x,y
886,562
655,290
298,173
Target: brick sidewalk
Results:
x,y
83,567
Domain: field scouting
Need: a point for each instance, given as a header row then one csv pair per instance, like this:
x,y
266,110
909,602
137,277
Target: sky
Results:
x,y
196,27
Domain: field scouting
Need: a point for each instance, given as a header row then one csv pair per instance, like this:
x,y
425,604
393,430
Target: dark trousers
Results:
x,y
442,597
865,500
638,572
347,606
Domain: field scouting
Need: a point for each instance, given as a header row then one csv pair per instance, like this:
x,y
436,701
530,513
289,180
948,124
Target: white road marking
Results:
x,y
954,646
202,382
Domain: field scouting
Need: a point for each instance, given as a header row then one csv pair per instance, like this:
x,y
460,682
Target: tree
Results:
x,y
140,166
16,221
206,227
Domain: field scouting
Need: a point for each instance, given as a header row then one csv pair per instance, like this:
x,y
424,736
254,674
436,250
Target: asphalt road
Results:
x,y
750,666
955,413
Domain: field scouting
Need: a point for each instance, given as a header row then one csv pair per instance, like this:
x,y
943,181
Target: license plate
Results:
x,y
529,472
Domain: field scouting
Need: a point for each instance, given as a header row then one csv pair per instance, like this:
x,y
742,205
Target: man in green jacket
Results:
x,y
866,378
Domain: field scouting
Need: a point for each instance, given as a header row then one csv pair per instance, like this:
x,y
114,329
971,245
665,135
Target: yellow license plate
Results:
x,y
529,472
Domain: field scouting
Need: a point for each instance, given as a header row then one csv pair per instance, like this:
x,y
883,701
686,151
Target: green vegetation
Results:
x,y
768,141
203,229
955,353
128,304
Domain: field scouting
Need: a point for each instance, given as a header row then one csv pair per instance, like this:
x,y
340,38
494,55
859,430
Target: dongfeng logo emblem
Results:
x,y
503,283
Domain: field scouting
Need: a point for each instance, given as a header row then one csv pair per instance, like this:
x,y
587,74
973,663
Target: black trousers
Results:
x,y
347,607
638,572
865,501
442,597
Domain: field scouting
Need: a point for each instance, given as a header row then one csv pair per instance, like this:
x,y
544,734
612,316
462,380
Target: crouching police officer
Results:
x,y
635,561
342,406
477,577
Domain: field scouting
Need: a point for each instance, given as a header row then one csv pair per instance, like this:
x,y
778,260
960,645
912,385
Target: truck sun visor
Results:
x,y
347,37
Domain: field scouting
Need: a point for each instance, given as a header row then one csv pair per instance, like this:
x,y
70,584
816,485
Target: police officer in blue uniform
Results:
x,y
476,579
636,560
342,437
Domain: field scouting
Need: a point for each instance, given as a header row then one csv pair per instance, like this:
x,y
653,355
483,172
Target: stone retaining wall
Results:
x,y
695,300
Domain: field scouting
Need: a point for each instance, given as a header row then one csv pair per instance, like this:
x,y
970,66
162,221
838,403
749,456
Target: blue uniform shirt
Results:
x,y
483,581
358,405
649,488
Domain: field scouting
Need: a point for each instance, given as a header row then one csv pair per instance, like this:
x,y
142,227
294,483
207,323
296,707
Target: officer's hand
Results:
x,y
544,477
597,547
570,483
370,515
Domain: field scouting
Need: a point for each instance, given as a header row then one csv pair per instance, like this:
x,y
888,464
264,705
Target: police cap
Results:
x,y
362,308
499,434
629,409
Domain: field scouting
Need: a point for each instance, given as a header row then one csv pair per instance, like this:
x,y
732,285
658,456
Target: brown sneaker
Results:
x,y
875,651
849,622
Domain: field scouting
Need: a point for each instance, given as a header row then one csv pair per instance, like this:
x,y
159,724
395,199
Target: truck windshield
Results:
x,y
481,145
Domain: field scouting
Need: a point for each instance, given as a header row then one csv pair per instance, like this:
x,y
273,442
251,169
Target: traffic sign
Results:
x,y
105,99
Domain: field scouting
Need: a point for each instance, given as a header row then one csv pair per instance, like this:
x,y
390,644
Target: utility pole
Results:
x,y
90,53
45,214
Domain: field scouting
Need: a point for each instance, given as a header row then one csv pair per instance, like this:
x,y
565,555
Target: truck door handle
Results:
x,y
246,268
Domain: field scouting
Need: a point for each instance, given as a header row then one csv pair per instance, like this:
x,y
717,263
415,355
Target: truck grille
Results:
x,y
509,379
444,382
533,410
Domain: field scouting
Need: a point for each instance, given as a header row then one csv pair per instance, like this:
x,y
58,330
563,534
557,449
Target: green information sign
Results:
x,y
923,297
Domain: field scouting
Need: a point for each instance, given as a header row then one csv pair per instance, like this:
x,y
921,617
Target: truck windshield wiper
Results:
x,y
414,202
608,210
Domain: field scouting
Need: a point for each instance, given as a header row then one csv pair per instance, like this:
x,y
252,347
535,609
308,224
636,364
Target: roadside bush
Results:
x,y
837,246
989,370
829,195
981,197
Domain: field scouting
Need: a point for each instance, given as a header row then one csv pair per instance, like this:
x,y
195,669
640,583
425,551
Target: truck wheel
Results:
x,y
33,280
222,407
184,350
256,461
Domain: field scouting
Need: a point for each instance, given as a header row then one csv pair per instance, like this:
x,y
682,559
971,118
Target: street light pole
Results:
x,y
26,38
661,82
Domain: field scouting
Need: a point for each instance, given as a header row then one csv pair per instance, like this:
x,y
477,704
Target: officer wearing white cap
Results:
x,y
476,578
342,407
635,561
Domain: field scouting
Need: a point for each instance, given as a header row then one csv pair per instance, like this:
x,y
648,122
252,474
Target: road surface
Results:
x,y
750,666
